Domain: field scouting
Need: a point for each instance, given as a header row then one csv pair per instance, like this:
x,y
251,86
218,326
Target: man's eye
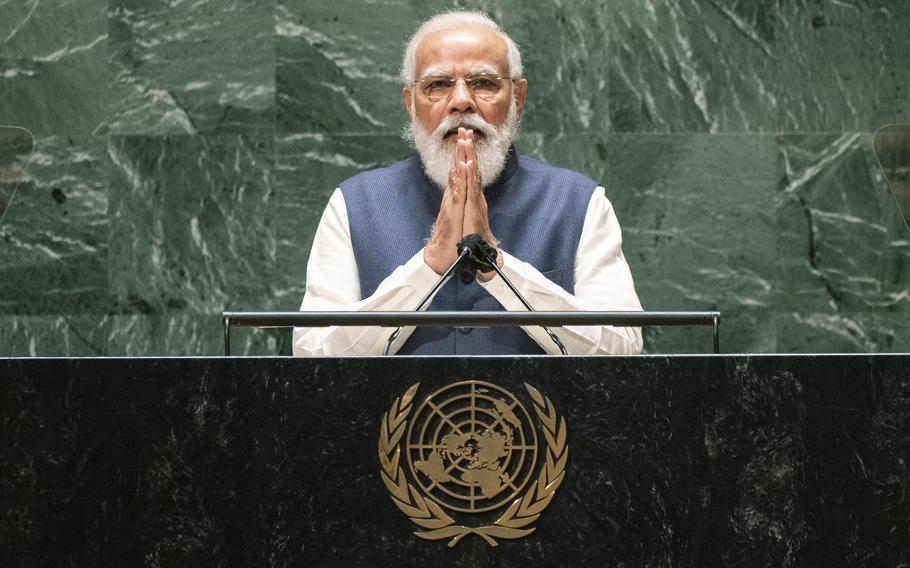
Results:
x,y
438,84
483,83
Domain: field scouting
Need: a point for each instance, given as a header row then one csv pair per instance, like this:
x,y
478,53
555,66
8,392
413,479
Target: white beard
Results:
x,y
437,153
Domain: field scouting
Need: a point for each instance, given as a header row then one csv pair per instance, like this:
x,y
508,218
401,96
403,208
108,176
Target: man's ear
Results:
x,y
521,90
407,99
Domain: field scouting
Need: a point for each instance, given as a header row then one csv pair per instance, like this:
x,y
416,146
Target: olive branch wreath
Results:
x,y
427,514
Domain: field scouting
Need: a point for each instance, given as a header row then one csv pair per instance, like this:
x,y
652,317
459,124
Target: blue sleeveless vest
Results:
x,y
536,211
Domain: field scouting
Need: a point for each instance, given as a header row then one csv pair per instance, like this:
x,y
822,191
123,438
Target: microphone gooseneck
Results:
x,y
474,255
446,276
483,258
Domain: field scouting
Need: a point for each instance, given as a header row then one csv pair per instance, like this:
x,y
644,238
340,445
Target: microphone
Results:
x,y
481,256
474,254
478,252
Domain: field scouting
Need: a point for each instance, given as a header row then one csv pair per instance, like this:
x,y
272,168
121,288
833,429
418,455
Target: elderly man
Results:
x,y
388,234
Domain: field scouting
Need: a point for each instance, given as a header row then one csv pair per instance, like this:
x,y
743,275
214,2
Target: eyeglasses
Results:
x,y
436,88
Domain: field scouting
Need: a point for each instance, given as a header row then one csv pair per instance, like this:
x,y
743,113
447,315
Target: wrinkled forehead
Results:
x,y
462,51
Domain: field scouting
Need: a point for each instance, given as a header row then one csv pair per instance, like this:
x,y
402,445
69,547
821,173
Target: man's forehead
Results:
x,y
481,48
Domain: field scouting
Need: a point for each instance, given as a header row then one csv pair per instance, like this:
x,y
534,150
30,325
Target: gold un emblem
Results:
x,y
470,450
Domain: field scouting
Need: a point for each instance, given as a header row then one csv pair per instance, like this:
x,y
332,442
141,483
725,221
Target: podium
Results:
x,y
701,460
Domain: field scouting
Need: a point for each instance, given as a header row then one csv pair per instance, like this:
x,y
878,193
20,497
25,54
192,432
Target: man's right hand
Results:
x,y
442,248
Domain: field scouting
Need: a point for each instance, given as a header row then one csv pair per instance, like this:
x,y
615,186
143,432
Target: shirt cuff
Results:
x,y
416,274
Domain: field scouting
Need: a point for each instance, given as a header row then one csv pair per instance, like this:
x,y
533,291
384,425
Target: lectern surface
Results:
x,y
627,461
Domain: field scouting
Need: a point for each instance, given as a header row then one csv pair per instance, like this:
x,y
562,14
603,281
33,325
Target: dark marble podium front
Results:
x,y
674,461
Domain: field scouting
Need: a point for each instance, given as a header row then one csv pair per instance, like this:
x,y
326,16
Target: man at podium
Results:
x,y
387,235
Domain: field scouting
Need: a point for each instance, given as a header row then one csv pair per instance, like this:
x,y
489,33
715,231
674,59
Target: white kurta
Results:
x,y
603,282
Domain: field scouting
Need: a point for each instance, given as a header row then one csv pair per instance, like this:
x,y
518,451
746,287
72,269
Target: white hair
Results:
x,y
451,21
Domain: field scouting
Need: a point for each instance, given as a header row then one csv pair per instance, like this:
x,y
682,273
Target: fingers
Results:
x,y
464,183
461,150
463,176
453,178
471,158
441,249
472,181
456,191
466,153
475,212
458,176
470,153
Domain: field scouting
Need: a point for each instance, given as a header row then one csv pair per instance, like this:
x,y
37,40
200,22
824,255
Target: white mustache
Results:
x,y
469,121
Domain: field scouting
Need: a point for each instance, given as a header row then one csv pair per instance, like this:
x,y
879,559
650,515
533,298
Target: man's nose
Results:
x,y
461,99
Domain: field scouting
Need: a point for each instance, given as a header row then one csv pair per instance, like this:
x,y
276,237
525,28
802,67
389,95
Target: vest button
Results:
x,y
465,330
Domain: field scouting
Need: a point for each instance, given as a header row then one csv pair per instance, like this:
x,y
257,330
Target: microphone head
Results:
x,y
472,241
480,254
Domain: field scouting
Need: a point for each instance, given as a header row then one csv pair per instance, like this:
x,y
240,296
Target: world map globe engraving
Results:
x,y
471,446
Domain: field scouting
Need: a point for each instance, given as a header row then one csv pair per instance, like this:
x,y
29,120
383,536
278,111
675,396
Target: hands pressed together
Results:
x,y
463,210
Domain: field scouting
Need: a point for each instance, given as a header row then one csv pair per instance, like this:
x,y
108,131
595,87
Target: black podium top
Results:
x,y
671,461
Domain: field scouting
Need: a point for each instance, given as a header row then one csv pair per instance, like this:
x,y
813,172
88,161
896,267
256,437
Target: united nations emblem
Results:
x,y
471,449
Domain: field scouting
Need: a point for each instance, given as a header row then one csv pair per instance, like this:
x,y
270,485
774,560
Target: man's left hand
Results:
x,y
476,218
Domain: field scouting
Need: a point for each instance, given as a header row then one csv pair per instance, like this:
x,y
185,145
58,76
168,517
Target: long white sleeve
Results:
x,y
333,284
603,282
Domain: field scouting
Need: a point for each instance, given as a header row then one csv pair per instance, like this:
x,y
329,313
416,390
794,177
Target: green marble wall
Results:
x,y
184,153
